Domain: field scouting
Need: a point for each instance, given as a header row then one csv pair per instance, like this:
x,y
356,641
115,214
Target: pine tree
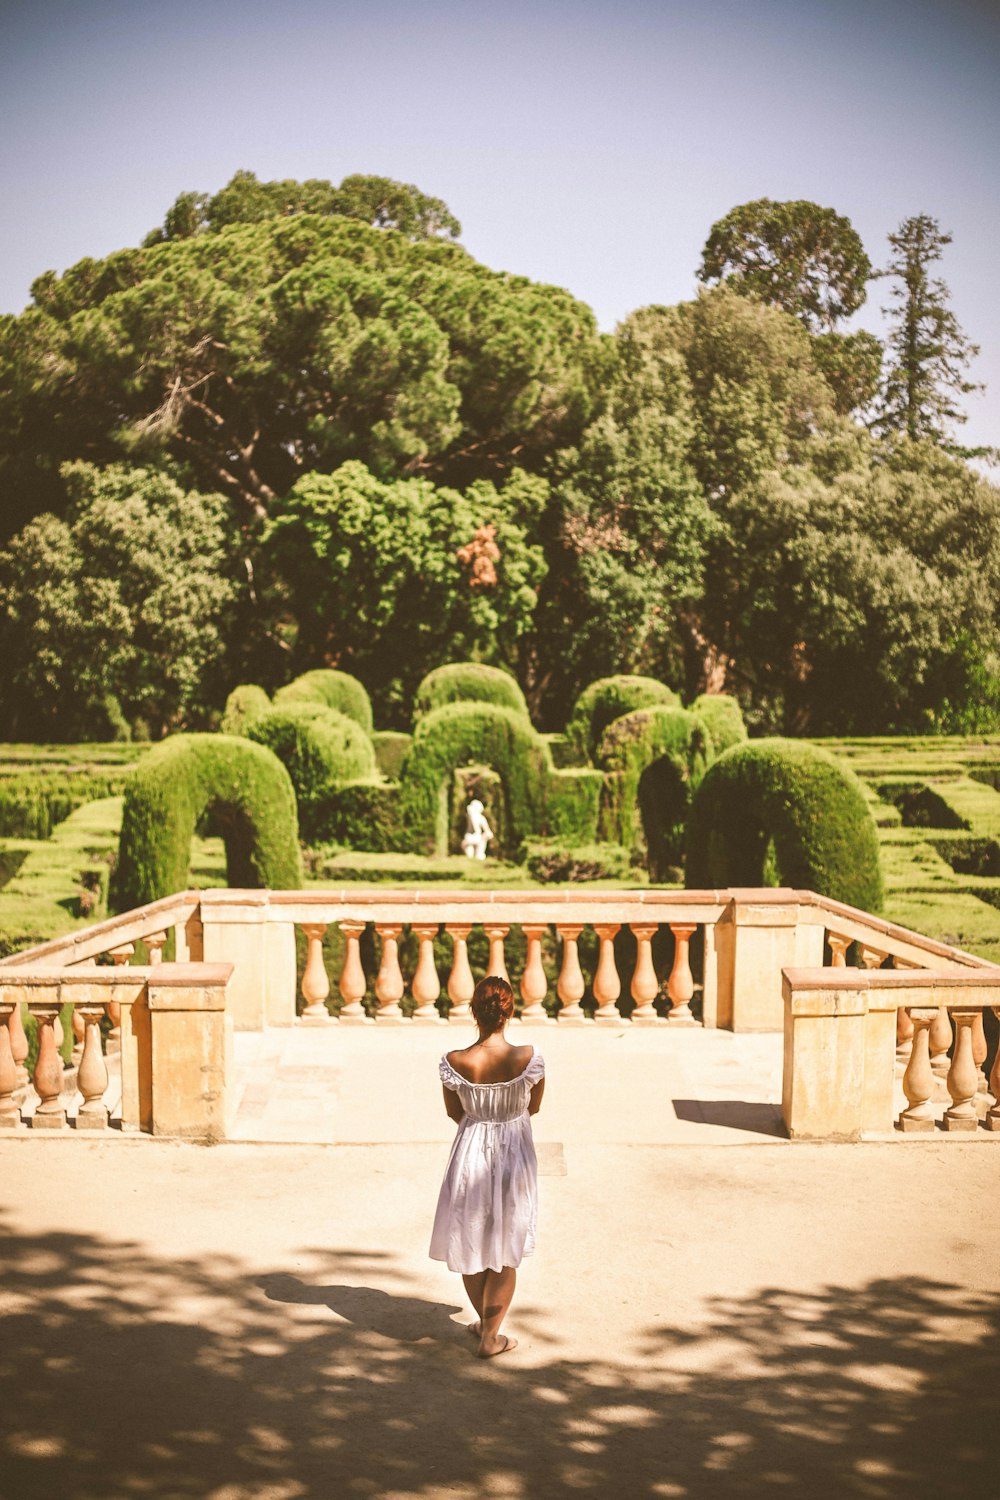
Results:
x,y
928,354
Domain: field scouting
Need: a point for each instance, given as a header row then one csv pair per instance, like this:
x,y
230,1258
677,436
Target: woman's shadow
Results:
x,y
408,1320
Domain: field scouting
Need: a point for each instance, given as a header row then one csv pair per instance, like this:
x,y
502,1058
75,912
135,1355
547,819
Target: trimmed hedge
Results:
x,y
467,682
363,815
476,733
337,690
33,802
723,718
791,806
243,786
608,699
548,859
244,705
652,760
573,805
391,746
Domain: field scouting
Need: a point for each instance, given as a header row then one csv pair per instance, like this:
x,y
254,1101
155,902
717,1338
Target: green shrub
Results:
x,y
364,814
317,746
790,809
606,700
573,804
242,785
391,746
723,718
337,690
548,859
652,759
33,802
478,733
244,705
468,682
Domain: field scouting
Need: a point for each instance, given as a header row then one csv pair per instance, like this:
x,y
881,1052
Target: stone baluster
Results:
x,y
680,985
570,985
315,980
979,1050
78,1036
120,957
352,976
426,986
607,984
92,1076
154,946
904,1034
534,984
10,1115
992,1121
871,958
838,949
918,1080
18,1043
48,1075
940,1041
645,986
962,1076
497,963
389,980
461,985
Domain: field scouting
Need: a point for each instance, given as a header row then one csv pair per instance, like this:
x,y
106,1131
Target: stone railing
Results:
x,y
239,951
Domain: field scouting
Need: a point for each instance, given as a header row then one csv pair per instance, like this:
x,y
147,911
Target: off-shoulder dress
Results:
x,y
488,1206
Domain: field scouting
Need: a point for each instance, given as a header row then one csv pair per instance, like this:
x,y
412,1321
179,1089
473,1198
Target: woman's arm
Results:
x,y
535,1102
453,1104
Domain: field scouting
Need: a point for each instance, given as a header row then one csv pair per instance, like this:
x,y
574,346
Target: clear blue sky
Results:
x,y
583,142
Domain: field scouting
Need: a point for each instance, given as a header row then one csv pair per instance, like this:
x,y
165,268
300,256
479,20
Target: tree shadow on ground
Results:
x,y
122,1375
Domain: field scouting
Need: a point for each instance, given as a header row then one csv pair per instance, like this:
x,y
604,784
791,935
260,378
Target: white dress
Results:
x,y
488,1205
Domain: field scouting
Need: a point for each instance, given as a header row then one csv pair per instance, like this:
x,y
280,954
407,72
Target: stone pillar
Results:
x,y
352,977
120,957
461,985
645,985
92,1076
426,986
838,949
242,929
680,985
534,985
570,986
755,941
10,1115
823,1082
315,980
187,1010
962,1075
607,984
497,963
992,1121
48,1077
389,980
154,946
710,979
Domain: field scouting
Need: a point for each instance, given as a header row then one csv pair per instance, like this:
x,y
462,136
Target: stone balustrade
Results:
x,y
651,958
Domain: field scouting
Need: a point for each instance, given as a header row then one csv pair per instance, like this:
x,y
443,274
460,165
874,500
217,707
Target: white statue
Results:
x,y
477,831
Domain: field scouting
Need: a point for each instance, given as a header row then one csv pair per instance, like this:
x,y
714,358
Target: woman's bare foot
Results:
x,y
503,1345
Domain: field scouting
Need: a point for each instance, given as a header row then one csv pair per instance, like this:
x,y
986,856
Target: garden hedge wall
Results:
x,y
573,805
786,809
244,704
646,815
364,815
467,682
317,746
246,789
477,733
391,746
608,699
723,718
337,690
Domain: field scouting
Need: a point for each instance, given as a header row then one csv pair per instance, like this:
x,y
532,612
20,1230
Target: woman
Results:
x,y
485,1220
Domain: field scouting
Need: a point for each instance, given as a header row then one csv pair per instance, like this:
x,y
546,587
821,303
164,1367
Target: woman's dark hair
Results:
x,y
492,1003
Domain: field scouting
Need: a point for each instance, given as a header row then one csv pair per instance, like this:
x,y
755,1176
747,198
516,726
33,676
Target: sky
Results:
x,y
587,143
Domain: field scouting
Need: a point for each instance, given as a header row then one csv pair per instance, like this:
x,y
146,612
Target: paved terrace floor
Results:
x,y
712,1311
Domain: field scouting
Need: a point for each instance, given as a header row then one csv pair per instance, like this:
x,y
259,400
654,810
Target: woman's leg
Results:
x,y
474,1286
497,1294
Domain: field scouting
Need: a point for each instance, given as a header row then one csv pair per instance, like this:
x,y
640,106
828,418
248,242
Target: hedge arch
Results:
x,y
246,789
607,699
468,682
652,759
318,747
723,718
786,808
336,690
472,734
244,704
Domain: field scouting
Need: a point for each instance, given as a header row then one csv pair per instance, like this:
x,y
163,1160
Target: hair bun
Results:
x,y
492,1003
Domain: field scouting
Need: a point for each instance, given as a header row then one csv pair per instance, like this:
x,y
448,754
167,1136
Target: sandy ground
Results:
x,y
720,1313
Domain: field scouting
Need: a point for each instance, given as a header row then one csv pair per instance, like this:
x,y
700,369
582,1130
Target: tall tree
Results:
x,y
800,257
929,354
